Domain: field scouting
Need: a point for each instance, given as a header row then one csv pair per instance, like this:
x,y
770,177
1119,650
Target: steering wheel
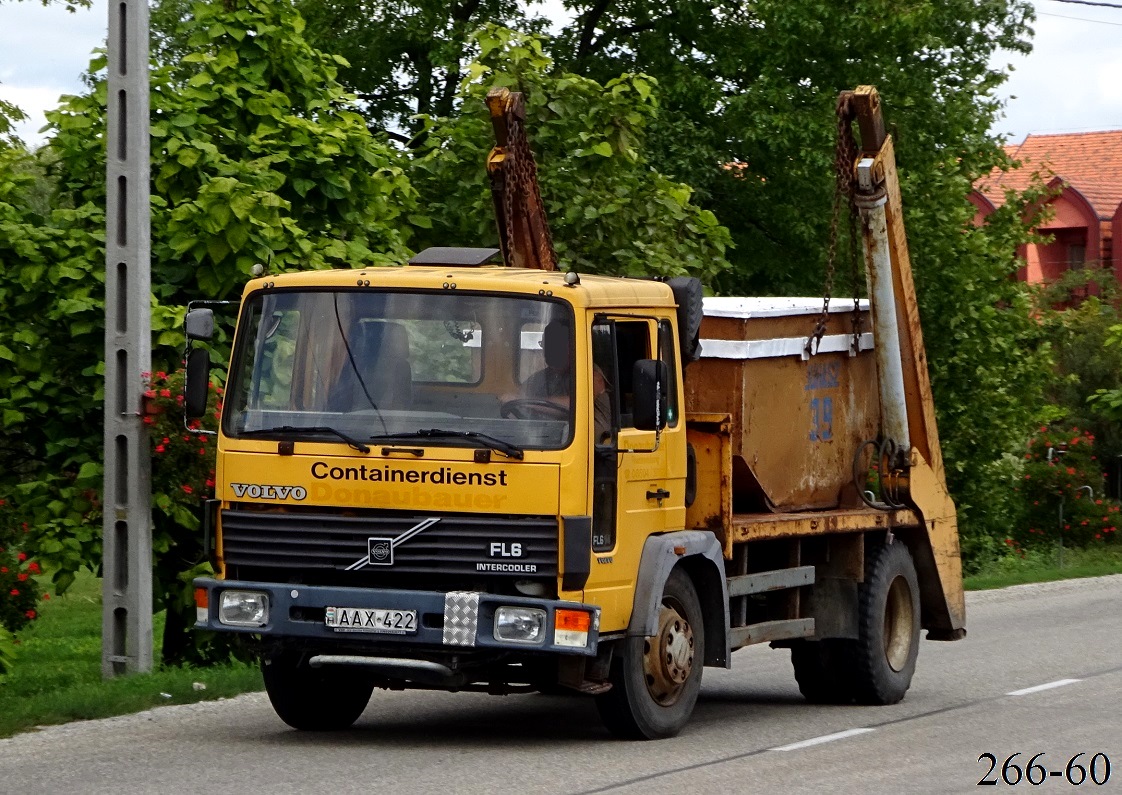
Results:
x,y
532,409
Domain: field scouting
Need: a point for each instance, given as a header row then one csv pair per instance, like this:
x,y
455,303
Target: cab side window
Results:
x,y
632,343
668,350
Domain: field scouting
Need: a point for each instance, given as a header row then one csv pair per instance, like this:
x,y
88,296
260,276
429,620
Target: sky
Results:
x,y
1072,81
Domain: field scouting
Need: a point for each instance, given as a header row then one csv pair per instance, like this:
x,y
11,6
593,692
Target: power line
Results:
x,y
1089,3
1081,19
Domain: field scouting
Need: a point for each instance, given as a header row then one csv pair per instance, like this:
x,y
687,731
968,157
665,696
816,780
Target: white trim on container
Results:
x,y
782,346
741,307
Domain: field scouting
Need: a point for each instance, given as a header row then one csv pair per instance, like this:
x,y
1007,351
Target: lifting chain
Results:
x,y
520,175
845,157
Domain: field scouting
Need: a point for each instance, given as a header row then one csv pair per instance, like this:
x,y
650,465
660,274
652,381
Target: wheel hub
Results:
x,y
668,657
899,624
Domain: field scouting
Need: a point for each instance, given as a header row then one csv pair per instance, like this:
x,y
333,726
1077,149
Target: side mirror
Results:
x,y
196,382
199,324
649,378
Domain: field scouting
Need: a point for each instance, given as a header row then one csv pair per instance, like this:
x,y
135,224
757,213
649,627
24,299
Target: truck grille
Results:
x,y
389,544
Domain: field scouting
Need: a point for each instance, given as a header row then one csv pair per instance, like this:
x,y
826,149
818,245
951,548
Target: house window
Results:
x,y
1076,255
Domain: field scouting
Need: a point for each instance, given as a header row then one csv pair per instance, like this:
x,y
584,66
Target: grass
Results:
x,y
57,674
1044,566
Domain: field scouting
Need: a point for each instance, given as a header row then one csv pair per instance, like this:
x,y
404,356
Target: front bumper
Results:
x,y
459,620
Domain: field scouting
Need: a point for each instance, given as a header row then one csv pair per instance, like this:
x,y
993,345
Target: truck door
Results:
x,y
637,487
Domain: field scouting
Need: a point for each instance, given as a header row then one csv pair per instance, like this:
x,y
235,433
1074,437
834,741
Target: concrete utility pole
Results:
x,y
126,641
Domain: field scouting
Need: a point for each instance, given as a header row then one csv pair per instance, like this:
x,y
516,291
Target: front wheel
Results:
x,y
656,680
889,624
315,699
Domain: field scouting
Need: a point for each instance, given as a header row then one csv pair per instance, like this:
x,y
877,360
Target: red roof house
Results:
x,y
1086,217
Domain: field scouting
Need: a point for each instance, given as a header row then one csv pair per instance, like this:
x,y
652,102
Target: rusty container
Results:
x,y
795,420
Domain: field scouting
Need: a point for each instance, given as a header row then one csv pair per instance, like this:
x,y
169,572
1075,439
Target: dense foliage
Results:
x,y
17,581
1063,490
1079,313
19,590
183,464
610,210
256,158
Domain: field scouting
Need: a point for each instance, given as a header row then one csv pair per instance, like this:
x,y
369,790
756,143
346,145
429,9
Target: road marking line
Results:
x,y
1048,686
825,738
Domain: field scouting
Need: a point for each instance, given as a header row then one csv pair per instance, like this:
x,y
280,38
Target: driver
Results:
x,y
554,381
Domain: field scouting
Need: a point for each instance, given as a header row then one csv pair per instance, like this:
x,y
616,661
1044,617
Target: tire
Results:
x,y
889,622
656,680
688,295
824,670
315,699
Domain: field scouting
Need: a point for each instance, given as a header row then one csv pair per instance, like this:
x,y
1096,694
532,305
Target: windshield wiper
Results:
x,y
355,443
498,445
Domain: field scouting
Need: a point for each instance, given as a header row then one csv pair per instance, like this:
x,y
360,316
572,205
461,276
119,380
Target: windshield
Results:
x,y
378,365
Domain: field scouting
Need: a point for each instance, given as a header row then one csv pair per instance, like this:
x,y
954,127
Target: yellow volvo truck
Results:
x,y
474,472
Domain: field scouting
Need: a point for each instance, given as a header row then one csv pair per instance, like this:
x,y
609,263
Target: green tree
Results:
x,y
258,156
610,210
51,284
406,57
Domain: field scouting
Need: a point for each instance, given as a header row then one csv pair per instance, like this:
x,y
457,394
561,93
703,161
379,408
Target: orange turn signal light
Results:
x,y
573,620
202,598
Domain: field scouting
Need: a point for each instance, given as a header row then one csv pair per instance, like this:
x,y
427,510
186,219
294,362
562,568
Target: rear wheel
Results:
x,y
656,680
315,699
889,621
824,670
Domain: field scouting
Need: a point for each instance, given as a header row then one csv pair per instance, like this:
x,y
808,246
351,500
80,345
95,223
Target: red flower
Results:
x,y
165,393
46,597
1071,470
21,557
161,375
3,569
187,489
209,483
22,577
30,614
160,448
14,592
149,420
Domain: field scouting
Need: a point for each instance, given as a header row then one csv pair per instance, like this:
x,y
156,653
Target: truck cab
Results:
x,y
449,468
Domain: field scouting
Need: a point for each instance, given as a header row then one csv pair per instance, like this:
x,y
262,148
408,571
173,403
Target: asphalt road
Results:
x,y
751,731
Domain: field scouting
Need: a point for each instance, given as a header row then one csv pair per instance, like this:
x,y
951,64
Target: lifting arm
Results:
x,y
907,406
524,235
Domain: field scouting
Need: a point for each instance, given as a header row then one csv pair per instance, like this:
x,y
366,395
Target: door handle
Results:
x,y
658,494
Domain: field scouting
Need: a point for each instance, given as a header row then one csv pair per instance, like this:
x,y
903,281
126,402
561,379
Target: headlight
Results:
x,y
520,624
244,608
